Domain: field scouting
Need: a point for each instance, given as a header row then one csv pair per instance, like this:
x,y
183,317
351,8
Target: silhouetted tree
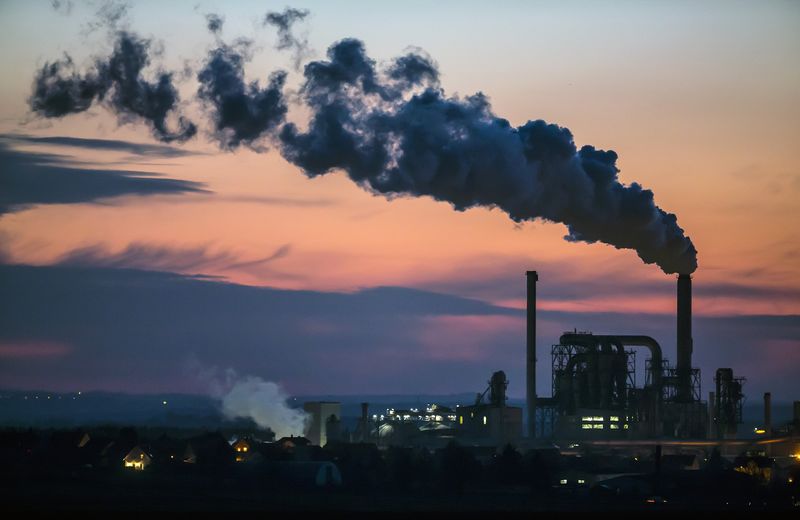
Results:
x,y
400,467
506,466
539,469
458,466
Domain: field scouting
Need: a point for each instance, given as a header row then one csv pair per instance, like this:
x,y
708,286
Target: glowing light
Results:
x,y
581,481
484,420
164,403
460,419
563,481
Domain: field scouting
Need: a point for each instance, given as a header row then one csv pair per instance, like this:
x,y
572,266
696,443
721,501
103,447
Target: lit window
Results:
x,y
581,481
460,419
586,426
484,420
614,418
597,419
625,426
597,426
563,481
614,426
586,418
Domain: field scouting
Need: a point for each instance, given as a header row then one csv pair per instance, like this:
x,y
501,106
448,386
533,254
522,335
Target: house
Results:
x,y
137,459
211,449
243,449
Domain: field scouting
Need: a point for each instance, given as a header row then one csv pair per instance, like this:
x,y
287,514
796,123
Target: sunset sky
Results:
x,y
208,259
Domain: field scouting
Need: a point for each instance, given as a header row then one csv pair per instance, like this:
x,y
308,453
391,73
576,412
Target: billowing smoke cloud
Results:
x,y
242,113
214,22
396,133
286,38
116,82
265,403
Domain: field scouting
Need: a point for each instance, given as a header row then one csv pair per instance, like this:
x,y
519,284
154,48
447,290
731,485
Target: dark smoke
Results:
x,y
62,6
116,82
286,39
243,113
214,23
396,133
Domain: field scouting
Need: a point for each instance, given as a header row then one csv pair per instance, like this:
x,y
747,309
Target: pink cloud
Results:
x,y
33,349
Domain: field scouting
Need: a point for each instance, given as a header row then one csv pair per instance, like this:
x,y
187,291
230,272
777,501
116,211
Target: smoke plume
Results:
x,y
115,81
265,403
396,133
214,23
250,397
286,39
242,113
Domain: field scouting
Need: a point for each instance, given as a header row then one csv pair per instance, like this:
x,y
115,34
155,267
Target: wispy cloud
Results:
x,y
140,149
29,178
155,257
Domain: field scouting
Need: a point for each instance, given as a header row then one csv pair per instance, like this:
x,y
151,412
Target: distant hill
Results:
x,y
51,409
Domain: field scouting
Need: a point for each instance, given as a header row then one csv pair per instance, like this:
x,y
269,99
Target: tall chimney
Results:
x,y
768,413
530,365
684,338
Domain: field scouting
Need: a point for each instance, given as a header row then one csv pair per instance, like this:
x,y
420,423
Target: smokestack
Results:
x,y
364,422
712,415
532,277
768,413
684,338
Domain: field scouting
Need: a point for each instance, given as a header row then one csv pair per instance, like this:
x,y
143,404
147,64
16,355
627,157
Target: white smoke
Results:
x,y
250,397
265,403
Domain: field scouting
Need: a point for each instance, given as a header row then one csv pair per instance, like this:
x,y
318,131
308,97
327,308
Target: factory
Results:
x,y
594,392
594,399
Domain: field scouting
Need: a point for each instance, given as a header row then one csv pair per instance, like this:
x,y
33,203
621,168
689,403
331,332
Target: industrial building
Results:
x,y
594,392
594,398
322,415
490,421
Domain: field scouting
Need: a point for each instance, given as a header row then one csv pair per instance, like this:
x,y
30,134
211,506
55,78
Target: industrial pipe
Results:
x,y
530,365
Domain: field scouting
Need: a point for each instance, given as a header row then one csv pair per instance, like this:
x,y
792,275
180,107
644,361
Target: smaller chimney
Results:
x,y
768,413
712,416
364,422
530,364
